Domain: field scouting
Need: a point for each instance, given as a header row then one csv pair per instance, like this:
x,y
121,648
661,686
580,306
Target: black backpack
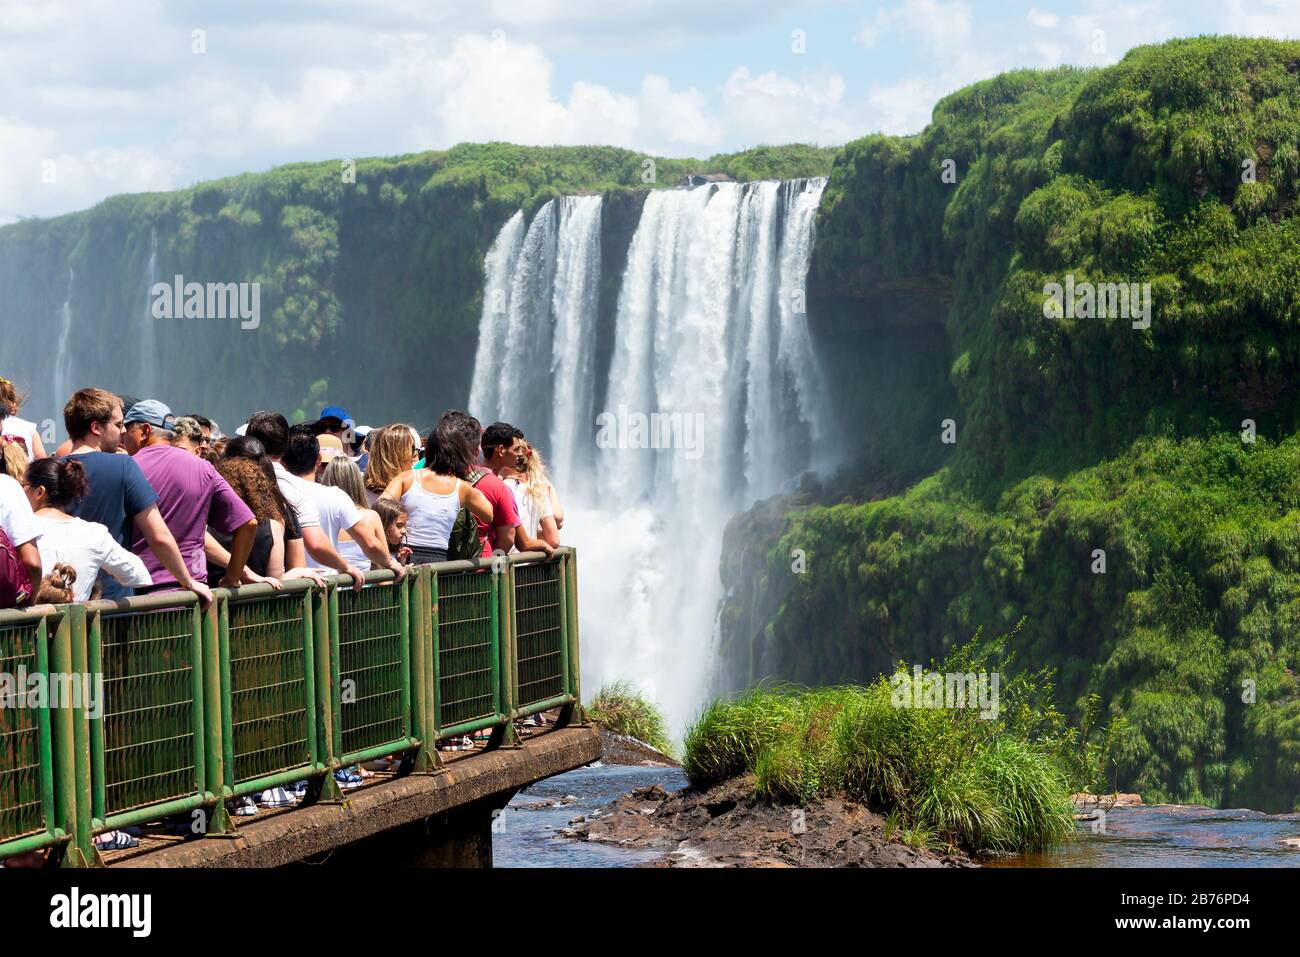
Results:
x,y
464,543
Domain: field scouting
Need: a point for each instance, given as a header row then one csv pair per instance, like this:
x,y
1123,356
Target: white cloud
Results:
x,y
1043,19
1267,18
942,27
40,176
771,108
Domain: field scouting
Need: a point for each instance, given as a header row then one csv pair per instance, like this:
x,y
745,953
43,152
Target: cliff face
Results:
x,y
370,278
1129,490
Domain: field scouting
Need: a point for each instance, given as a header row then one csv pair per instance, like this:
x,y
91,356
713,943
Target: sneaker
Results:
x,y
115,841
347,779
276,797
244,807
298,789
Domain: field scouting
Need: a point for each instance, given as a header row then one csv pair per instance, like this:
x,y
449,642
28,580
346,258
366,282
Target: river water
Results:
x,y
1152,836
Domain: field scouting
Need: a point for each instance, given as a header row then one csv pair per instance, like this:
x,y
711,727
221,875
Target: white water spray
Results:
x,y
710,336
62,380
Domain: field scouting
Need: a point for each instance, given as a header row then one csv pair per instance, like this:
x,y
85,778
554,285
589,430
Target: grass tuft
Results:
x,y
621,709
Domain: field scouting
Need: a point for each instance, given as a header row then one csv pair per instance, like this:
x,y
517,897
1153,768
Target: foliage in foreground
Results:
x,y
623,710
1001,783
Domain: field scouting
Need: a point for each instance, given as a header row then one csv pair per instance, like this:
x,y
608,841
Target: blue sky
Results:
x,y
106,96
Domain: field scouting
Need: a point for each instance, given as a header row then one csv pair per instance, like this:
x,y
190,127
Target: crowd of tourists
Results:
x,y
139,500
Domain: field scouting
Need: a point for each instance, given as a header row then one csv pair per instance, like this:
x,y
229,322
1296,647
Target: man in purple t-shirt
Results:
x,y
191,497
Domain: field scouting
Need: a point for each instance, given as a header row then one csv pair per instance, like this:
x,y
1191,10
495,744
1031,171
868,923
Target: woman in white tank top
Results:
x,y
433,496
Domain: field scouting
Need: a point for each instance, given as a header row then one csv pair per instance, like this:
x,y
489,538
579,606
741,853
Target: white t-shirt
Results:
x,y
297,492
531,512
25,430
16,516
336,513
87,547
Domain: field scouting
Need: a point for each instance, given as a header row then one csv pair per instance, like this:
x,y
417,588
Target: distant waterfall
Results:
x,y
62,380
146,380
713,400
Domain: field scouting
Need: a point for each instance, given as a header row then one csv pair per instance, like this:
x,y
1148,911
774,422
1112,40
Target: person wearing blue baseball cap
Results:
x,y
335,420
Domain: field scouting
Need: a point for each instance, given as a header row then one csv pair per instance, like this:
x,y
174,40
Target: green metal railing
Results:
x,y
27,813
371,667
269,686
467,650
147,749
268,683
541,637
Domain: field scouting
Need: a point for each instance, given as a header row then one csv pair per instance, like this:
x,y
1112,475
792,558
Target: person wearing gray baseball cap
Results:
x,y
192,497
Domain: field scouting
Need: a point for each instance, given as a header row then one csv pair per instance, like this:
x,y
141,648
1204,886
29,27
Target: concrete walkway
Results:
x,y
442,817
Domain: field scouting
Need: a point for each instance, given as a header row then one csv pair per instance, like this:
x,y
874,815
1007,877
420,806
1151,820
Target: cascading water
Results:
x,y
713,400
62,380
146,341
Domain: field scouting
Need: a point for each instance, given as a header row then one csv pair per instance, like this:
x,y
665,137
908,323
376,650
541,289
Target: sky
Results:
x,y
99,97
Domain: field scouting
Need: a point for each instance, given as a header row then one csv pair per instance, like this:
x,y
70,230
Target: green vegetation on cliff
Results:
x,y
1177,167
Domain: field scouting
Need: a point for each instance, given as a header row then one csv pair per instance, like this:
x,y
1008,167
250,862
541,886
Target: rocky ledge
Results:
x,y
726,826
624,749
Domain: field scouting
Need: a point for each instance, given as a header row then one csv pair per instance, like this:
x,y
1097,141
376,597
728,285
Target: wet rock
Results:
x,y
626,750
726,826
1088,807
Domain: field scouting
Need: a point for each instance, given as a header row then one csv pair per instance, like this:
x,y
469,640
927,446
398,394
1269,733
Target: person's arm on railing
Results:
x,y
295,555
240,547
126,567
159,539
217,555
556,507
322,550
550,531
30,556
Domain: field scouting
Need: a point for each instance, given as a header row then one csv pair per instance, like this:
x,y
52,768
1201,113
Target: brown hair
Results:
x,y
56,587
85,408
9,396
390,456
251,484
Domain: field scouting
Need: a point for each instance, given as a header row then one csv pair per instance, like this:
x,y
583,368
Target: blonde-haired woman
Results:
x,y
392,452
13,426
535,497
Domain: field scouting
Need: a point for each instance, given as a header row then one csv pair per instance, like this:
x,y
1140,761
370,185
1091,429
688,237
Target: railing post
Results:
x,y
573,713
72,744
323,606
503,587
215,689
423,619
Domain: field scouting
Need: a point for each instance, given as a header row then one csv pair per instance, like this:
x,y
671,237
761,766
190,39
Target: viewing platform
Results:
x,y
178,711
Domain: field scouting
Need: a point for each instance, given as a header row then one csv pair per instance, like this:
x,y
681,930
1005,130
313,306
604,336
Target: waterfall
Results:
x,y
146,380
713,400
574,304
62,380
